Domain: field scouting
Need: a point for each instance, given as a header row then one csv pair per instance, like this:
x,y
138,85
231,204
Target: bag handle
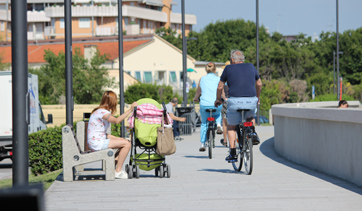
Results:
x,y
164,113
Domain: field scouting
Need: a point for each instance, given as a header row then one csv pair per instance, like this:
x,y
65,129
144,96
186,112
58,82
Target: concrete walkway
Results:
x,y
199,183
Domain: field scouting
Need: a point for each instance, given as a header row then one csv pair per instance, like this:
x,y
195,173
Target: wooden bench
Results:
x,y
74,156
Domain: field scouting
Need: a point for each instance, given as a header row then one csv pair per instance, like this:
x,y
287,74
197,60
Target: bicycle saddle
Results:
x,y
240,110
212,110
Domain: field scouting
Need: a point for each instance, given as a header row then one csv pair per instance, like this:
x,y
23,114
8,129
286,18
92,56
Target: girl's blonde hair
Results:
x,y
210,67
108,102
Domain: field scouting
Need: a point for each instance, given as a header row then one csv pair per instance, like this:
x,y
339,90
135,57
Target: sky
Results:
x,y
288,17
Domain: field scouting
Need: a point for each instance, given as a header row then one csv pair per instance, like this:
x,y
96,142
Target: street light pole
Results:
x,y
334,71
184,54
68,62
257,52
337,34
120,53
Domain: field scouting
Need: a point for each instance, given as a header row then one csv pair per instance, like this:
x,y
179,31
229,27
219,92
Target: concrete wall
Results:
x,y
321,136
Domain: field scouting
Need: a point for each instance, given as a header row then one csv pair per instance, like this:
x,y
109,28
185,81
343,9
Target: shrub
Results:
x,y
45,150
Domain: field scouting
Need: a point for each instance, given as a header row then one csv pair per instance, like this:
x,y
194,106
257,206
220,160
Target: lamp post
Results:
x,y
184,51
257,53
337,34
334,71
120,53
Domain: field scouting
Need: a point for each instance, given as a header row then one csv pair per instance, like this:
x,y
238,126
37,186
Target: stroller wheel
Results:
x,y
161,171
156,171
168,171
130,172
137,172
126,168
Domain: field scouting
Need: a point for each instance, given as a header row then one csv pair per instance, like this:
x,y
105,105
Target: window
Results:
x,y
128,72
125,21
173,78
181,76
62,23
138,75
147,77
2,26
84,23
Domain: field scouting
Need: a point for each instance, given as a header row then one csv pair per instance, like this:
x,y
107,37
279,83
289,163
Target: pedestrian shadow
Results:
x,y
197,156
267,148
226,171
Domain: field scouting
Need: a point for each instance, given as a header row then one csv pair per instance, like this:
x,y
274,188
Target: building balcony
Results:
x,y
32,16
112,11
190,19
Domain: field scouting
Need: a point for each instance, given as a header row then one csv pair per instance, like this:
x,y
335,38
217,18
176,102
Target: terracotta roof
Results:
x,y
36,52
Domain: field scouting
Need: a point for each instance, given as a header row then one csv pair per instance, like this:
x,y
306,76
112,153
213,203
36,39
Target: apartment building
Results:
x,y
91,18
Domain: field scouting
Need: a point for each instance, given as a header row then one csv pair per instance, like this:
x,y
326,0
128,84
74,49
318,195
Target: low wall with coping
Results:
x,y
320,136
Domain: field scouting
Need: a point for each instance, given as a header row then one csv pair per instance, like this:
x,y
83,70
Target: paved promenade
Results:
x,y
200,183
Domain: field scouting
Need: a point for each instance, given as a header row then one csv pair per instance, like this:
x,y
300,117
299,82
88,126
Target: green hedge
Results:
x,y
45,149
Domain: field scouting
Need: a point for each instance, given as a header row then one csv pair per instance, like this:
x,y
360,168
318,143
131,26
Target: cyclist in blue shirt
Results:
x,y
244,93
206,91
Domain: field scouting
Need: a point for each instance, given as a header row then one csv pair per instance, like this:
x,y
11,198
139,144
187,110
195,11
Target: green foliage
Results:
x,y
45,150
170,36
191,94
160,93
3,66
331,97
89,79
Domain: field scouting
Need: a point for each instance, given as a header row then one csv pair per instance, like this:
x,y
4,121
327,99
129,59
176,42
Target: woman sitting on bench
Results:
x,y
99,121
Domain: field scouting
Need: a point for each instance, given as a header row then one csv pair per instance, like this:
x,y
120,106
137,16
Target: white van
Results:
x,y
37,120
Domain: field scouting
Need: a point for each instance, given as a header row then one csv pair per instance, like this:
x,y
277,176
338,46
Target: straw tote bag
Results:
x,y
165,140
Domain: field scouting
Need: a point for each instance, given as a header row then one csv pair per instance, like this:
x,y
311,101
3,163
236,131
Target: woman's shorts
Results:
x,y
234,103
105,144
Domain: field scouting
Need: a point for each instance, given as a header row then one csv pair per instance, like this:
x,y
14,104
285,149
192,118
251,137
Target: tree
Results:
x,y
89,79
3,66
160,93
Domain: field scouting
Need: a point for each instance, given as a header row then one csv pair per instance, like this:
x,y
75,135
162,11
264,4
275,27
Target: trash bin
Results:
x,y
187,127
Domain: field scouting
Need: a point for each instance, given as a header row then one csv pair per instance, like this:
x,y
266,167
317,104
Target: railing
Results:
x,y
321,136
106,31
189,18
35,36
49,31
112,11
32,16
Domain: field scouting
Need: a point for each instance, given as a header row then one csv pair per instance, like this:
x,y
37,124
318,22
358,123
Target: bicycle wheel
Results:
x,y
239,163
211,141
248,156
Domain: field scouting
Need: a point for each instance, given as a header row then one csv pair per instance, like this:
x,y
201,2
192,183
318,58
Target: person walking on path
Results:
x,y
170,110
206,91
99,121
244,93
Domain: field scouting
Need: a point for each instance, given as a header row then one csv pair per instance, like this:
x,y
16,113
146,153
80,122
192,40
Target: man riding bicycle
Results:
x,y
244,93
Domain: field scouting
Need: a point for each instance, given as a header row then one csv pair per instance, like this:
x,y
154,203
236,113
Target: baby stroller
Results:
x,y
144,137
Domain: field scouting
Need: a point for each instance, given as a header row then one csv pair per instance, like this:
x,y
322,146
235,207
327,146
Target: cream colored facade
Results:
x,y
161,61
